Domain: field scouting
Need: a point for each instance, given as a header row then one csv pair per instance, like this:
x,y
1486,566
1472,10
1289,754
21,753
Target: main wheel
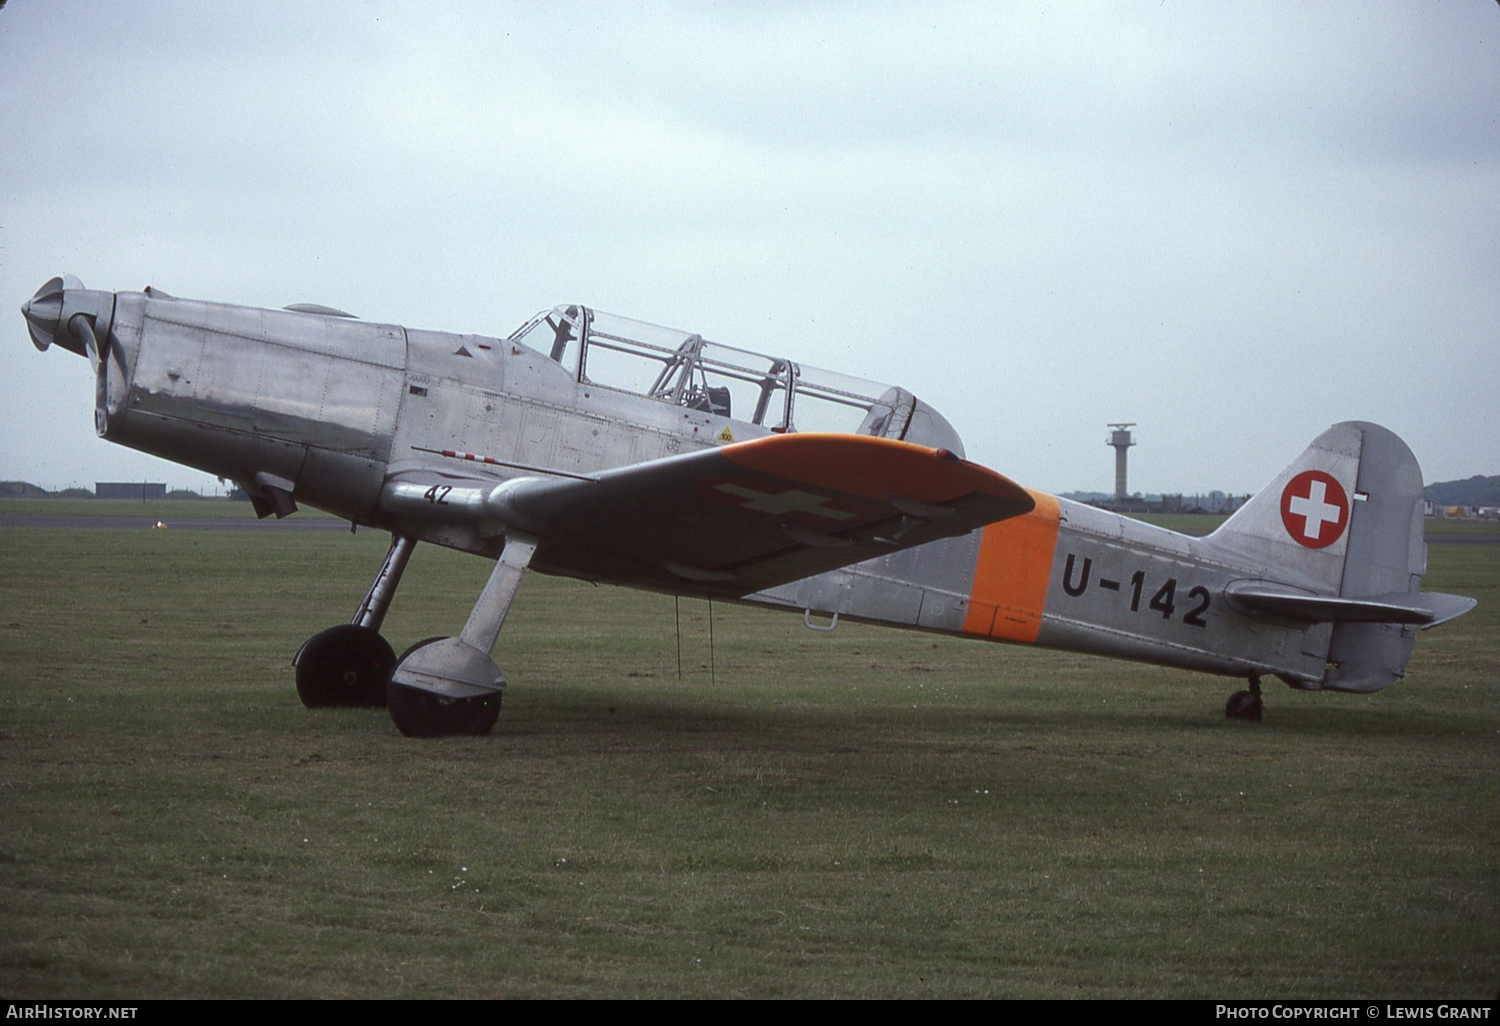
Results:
x,y
345,665
1243,705
420,713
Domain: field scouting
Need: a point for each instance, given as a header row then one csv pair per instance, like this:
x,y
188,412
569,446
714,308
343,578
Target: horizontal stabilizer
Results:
x,y
1425,608
1444,607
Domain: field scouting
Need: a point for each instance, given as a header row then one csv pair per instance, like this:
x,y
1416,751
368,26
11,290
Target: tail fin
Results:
x,y
1338,536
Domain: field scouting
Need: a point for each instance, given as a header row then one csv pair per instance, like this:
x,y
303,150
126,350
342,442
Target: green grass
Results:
x,y
864,813
1184,523
47,507
1435,525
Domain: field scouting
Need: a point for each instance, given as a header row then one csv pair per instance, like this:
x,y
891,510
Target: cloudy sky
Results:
x,y
1234,224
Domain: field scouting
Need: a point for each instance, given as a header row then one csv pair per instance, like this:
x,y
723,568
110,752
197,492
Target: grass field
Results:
x,y
863,813
160,508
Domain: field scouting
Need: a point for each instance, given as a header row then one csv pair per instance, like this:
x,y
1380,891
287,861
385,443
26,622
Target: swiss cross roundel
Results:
x,y
1314,509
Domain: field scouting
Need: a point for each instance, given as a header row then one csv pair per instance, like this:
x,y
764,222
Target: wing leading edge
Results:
x,y
741,518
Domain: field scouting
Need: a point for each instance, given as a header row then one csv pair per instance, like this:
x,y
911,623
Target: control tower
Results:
x,y
1121,440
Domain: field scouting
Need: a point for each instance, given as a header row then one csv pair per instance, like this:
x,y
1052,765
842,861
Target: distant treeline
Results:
x,y
1476,491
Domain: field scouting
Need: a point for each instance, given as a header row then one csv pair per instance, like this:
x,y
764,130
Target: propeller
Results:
x,y
66,313
44,310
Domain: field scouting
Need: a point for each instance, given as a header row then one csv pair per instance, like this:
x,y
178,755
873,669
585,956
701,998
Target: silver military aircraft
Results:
x,y
607,449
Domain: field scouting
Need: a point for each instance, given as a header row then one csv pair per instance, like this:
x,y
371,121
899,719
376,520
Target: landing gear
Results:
x,y
349,665
450,686
1245,705
440,687
420,713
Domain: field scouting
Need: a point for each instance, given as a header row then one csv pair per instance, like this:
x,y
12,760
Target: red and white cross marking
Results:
x,y
781,503
1314,509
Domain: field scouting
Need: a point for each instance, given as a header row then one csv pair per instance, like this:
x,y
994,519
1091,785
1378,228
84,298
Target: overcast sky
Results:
x,y
1234,224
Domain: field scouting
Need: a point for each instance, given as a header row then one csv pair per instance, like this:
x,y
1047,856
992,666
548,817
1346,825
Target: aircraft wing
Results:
x,y
749,516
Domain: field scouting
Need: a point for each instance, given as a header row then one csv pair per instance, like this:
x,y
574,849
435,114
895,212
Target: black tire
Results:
x,y
346,666
419,713
420,644
1243,705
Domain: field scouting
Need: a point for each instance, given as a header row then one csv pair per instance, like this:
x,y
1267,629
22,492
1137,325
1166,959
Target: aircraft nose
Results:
x,y
43,311
76,318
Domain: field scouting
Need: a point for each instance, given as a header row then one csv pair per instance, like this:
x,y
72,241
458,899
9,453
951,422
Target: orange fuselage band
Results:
x,y
1012,573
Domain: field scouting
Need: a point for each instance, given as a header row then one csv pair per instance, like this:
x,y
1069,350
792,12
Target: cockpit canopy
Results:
x,y
685,369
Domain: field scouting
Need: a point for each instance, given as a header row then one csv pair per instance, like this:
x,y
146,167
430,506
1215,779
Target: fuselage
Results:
x,y
330,410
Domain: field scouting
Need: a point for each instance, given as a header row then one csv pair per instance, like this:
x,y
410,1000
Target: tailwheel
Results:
x,y
421,713
1245,705
347,665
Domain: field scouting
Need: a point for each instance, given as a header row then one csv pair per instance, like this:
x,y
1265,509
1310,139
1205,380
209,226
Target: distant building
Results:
x,y
139,490
1121,440
1457,512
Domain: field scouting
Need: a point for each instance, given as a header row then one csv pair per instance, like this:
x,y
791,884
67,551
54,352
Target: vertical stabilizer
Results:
x,y
1345,519
1297,527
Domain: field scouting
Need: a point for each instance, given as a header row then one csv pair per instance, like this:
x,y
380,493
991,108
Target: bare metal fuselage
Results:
x,y
363,419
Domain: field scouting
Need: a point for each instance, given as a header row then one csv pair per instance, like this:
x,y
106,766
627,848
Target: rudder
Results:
x,y
1386,556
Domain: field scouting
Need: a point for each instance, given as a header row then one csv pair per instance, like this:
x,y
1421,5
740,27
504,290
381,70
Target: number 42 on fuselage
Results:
x,y
611,450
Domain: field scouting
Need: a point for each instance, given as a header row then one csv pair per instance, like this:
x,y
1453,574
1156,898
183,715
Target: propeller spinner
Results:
x,y
76,318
